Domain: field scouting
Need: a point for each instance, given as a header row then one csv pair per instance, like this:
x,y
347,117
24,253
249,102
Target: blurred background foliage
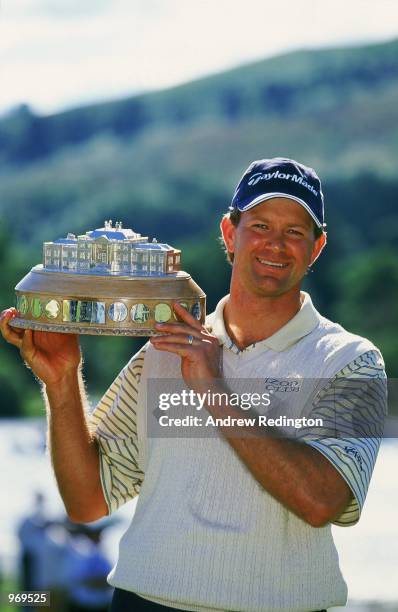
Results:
x,y
166,164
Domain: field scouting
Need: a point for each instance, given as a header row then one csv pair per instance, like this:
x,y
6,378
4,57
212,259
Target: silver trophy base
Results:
x,y
78,329
100,305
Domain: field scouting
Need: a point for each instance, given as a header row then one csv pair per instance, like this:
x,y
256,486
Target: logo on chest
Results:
x,y
284,385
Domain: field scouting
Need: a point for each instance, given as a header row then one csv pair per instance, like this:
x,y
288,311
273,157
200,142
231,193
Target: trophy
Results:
x,y
109,281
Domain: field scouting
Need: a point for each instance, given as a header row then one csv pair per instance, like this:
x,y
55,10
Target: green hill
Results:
x,y
321,85
183,148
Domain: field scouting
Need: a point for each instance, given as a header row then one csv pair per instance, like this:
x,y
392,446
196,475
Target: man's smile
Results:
x,y
273,264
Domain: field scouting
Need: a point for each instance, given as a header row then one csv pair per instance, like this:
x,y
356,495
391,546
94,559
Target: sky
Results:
x,y
56,54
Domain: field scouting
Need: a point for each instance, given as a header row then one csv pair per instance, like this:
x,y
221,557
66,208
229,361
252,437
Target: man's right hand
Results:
x,y
51,356
55,359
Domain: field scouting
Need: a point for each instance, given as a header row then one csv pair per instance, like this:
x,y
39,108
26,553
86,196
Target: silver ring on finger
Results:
x,y
190,339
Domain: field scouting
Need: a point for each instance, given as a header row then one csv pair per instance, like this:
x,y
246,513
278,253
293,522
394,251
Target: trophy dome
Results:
x,y
111,250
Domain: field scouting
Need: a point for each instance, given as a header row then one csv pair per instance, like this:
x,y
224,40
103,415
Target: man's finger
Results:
x,y
10,334
28,347
14,337
178,328
174,346
7,315
183,350
186,339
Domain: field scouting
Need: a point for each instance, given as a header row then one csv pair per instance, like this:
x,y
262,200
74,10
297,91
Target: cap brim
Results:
x,y
268,196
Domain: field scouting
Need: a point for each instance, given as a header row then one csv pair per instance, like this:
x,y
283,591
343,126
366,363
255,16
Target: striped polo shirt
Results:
x,y
194,542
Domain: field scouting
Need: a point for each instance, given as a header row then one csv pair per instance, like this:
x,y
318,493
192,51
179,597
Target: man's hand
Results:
x,y
51,356
55,359
199,350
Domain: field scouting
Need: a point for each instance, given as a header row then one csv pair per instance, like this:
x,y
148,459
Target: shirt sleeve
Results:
x,y
114,426
352,408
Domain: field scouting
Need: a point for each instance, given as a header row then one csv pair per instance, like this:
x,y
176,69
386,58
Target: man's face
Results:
x,y
273,245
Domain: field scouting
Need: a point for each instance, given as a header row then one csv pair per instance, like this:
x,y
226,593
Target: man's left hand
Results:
x,y
199,350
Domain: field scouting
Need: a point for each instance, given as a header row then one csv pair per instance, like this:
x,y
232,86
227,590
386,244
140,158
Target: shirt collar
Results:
x,y
303,323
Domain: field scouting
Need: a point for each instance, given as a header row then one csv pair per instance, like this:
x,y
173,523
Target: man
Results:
x,y
239,521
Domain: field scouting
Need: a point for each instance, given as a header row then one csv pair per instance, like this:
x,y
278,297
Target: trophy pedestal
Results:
x,y
79,303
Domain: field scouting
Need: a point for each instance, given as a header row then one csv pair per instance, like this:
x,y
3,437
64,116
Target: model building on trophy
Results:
x,y
107,281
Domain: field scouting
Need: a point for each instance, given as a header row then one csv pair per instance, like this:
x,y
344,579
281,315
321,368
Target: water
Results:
x,y
25,470
368,552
